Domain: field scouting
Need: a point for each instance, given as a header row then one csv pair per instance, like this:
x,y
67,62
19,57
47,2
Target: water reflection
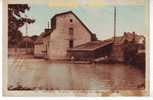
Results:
x,y
40,74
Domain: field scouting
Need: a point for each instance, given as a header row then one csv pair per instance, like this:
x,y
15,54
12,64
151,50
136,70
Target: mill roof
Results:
x,y
93,36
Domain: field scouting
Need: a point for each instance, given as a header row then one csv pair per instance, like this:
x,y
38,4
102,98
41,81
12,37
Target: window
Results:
x,y
70,43
71,33
71,20
71,30
71,37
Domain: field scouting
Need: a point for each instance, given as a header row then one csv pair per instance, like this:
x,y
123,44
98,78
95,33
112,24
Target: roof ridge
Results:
x,y
92,34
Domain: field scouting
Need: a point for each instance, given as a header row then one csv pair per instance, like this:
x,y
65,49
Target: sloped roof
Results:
x,y
93,45
46,32
76,17
93,36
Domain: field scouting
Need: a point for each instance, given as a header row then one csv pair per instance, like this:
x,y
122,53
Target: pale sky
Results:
x,y
97,17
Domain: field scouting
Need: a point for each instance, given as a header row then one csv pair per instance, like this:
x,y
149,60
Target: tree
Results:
x,y
34,37
130,50
26,42
15,21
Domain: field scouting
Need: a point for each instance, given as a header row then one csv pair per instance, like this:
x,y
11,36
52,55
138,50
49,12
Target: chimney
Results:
x,y
124,33
133,36
133,33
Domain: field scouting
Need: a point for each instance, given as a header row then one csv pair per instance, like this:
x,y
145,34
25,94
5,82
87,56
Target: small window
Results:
x,y
70,43
71,20
71,31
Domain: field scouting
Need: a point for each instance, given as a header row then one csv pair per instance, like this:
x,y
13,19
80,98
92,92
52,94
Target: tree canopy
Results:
x,y
15,21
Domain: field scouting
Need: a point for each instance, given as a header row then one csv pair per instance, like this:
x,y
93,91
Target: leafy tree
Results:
x,y
26,42
130,50
15,21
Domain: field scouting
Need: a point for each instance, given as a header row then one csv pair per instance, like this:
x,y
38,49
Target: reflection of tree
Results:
x,y
15,21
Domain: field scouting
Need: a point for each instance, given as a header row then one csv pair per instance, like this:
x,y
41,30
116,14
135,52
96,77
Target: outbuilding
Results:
x,y
91,50
38,48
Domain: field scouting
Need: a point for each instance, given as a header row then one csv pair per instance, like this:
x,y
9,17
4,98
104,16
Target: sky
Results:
x,y
96,16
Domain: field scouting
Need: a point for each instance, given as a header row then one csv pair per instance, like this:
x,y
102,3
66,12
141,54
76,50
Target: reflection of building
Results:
x,y
67,32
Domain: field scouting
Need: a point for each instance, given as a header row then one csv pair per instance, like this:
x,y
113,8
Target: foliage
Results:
x,y
34,37
130,50
15,21
26,42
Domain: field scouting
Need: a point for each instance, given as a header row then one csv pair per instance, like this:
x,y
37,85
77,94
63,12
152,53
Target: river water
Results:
x,y
41,74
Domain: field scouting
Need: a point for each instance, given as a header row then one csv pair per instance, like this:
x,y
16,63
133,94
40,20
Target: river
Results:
x,y
45,75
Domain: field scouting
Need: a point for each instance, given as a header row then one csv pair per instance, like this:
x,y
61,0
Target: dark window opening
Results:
x,y
71,20
71,43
